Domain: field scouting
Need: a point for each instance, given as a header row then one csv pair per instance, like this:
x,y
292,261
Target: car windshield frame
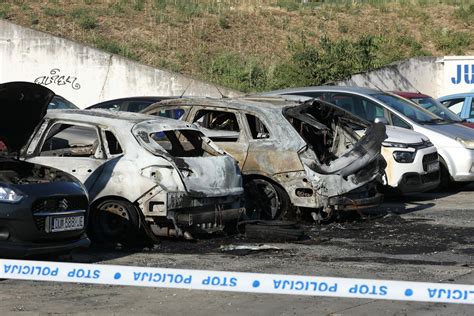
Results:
x,y
409,109
441,110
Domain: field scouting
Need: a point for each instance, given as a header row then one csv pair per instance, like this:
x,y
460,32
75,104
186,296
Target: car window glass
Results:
x,y
66,140
60,103
454,105
357,105
436,107
176,114
407,108
397,121
113,143
180,143
137,106
218,125
471,112
257,128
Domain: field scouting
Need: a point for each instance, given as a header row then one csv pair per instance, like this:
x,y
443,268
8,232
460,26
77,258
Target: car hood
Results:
x,y
468,124
24,105
403,135
452,130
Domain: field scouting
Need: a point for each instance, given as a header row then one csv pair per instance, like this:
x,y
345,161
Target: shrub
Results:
x,y
88,22
4,10
452,42
224,22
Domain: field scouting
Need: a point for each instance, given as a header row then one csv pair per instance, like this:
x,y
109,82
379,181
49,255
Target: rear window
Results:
x,y
180,143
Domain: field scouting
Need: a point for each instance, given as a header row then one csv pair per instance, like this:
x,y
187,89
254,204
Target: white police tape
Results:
x,y
236,281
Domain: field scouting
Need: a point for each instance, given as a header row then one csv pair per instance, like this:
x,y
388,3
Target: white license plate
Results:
x,y
433,167
66,223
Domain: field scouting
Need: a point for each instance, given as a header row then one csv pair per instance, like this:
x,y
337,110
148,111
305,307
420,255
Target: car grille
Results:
x,y
56,205
429,158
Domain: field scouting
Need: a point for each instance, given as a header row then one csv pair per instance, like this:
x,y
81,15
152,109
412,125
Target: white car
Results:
x,y
158,174
412,160
454,142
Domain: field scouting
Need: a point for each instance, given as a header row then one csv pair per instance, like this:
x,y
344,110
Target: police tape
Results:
x,y
236,281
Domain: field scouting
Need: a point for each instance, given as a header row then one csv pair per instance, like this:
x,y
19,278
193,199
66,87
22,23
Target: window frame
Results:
x,y
105,143
243,128
51,125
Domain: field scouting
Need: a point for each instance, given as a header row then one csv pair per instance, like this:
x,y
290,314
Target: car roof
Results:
x,y
353,89
114,118
409,95
136,98
457,95
252,103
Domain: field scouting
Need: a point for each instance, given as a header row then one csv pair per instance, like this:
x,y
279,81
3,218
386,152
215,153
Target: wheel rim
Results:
x,y
262,201
113,220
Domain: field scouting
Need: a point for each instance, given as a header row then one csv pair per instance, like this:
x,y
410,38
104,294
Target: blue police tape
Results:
x,y
236,281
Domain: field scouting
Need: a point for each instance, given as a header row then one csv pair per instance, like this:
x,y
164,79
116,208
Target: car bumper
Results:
x,y
17,249
415,182
360,198
418,176
460,163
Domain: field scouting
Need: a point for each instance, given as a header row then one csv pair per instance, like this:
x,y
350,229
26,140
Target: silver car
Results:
x,y
292,155
158,174
454,142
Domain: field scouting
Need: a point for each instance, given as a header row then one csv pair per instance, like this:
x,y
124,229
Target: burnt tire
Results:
x,y
274,231
265,200
114,220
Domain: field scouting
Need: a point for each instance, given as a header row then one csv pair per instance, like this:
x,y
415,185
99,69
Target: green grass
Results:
x,y
452,42
4,10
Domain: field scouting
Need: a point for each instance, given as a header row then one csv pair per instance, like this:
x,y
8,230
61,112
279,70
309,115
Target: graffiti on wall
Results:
x,y
56,78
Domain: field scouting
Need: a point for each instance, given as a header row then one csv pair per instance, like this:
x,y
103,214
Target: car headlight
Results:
x,y
404,156
394,145
9,195
468,143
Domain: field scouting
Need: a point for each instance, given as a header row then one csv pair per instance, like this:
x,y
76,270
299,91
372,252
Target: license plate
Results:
x,y
433,167
66,223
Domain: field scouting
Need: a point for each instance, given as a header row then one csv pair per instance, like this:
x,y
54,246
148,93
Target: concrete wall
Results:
x,y
435,76
85,75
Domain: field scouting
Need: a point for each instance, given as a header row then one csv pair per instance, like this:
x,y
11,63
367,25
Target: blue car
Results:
x,y
462,104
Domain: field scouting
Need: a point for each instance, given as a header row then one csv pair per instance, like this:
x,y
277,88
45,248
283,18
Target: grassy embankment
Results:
x,y
261,44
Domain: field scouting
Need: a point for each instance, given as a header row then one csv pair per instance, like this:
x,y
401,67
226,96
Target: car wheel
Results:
x,y
114,221
265,200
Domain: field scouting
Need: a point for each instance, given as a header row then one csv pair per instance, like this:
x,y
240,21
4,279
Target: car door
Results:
x,y
225,127
468,109
72,147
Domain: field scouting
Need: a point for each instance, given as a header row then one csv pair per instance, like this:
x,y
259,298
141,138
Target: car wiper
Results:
x,y
435,121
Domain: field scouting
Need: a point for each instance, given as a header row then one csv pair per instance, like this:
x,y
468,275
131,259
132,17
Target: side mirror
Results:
x,y
380,119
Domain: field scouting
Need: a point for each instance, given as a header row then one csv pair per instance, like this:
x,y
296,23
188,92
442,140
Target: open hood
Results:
x,y
23,106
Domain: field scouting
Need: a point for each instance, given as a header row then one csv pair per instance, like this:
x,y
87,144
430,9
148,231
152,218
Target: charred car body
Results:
x,y
42,210
291,155
160,175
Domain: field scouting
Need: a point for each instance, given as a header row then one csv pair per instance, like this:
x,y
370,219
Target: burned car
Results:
x,y
42,209
305,156
156,175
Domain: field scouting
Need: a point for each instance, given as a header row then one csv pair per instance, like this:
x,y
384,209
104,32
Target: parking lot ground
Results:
x,y
427,237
